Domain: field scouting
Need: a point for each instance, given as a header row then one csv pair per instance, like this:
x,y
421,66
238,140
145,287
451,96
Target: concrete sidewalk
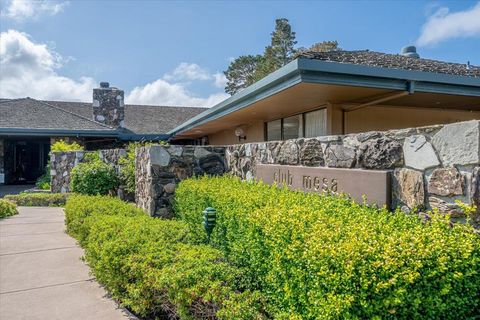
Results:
x,y
41,274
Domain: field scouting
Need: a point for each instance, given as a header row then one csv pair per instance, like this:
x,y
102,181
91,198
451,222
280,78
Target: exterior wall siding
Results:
x,y
254,133
387,118
362,120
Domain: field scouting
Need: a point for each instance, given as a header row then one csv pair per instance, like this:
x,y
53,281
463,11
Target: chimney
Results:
x,y
108,107
410,51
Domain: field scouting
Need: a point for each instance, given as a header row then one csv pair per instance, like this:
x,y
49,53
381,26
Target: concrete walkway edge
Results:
x,y
41,274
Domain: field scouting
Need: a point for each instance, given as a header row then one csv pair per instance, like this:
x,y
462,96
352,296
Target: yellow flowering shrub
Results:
x,y
326,257
150,266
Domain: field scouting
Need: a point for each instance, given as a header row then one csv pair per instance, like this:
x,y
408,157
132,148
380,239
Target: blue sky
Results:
x,y
173,53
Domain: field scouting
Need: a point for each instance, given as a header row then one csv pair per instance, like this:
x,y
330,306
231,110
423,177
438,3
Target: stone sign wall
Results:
x,y
431,166
374,184
158,169
62,163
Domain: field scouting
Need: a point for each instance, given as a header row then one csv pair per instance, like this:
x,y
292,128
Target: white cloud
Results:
x,y
220,80
30,69
162,92
25,9
170,90
443,25
188,71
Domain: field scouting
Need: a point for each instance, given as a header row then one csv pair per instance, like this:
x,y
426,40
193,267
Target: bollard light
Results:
x,y
209,217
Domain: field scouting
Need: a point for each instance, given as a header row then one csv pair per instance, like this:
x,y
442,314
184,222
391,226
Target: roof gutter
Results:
x,y
82,133
143,137
57,132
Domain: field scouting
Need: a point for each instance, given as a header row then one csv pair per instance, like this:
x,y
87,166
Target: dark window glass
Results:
x,y
274,130
293,127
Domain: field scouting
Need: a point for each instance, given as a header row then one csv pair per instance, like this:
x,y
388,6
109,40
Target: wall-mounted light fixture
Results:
x,y
240,133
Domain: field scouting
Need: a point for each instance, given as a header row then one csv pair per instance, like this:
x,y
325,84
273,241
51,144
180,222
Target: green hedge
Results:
x,y
93,176
39,199
323,257
7,208
151,266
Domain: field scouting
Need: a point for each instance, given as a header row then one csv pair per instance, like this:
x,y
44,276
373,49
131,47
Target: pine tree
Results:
x,y
324,46
280,51
240,73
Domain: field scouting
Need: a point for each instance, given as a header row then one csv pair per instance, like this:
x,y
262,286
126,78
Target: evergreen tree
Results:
x,y
324,46
280,51
246,70
240,73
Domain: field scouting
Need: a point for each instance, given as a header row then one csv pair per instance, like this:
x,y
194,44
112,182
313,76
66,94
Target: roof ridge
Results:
x,y
69,112
311,52
10,100
126,104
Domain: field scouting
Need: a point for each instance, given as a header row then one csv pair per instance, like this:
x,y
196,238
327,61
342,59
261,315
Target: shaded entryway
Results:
x,y
41,274
25,159
14,188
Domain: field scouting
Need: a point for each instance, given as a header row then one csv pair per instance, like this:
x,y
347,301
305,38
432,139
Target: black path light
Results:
x,y
209,217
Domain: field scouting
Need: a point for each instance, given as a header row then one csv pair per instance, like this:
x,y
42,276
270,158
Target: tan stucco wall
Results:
x,y
386,118
362,120
254,133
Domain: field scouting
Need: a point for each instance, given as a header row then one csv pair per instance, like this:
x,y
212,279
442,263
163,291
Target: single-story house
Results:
x,y
341,92
318,93
28,127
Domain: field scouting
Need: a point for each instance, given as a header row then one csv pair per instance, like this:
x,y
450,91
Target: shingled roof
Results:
x,y
393,61
39,114
140,119
34,114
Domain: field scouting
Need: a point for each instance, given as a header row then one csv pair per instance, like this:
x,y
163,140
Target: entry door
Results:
x,y
28,161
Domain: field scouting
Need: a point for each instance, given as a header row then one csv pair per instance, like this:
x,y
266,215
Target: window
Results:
x,y
293,127
309,124
315,124
274,130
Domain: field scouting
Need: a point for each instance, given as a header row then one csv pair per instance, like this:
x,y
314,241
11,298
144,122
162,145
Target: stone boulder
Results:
x,y
211,164
288,153
408,188
445,207
311,153
458,143
418,153
380,153
447,182
340,156
159,156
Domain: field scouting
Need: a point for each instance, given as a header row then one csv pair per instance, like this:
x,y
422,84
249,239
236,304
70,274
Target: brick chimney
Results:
x,y
108,107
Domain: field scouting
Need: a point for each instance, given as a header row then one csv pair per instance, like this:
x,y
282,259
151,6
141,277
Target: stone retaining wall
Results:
x,y
62,163
431,166
158,169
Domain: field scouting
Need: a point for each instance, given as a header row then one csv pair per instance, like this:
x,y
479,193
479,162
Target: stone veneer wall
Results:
x,y
432,166
158,170
62,164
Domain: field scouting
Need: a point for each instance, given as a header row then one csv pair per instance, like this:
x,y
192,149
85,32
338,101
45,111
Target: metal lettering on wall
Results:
x,y
373,184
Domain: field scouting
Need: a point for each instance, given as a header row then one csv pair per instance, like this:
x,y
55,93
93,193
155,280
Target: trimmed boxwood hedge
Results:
x,y
39,199
325,257
151,266
7,208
